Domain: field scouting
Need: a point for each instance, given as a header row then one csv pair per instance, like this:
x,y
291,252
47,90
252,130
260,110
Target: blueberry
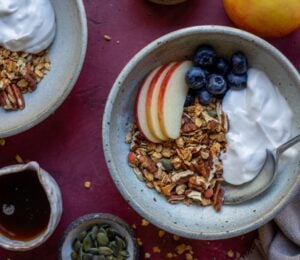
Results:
x,y
204,56
237,81
221,66
195,78
216,84
239,63
190,98
204,96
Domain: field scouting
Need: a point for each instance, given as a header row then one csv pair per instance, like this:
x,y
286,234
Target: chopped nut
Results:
x,y
161,233
87,184
176,238
139,241
145,222
156,249
188,256
133,226
147,255
19,159
230,253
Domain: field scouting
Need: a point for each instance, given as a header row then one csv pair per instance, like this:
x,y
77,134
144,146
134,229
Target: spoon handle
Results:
x,y
287,145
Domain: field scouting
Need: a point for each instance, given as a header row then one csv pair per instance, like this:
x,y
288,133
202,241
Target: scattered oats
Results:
x,y
145,222
107,37
230,253
19,159
139,241
87,184
2,141
161,233
133,226
176,238
147,255
156,249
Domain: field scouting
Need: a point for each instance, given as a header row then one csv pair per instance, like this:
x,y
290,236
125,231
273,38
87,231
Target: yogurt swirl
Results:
x,y
26,25
259,119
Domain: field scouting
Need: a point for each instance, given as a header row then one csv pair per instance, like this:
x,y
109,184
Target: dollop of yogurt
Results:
x,y
259,119
26,25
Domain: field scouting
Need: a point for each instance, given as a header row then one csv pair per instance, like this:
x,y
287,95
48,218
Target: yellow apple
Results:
x,y
266,18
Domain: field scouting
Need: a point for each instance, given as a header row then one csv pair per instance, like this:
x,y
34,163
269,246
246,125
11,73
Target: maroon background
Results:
x,y
68,144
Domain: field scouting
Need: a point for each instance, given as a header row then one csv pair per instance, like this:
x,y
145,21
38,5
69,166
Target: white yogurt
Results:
x,y
259,118
26,25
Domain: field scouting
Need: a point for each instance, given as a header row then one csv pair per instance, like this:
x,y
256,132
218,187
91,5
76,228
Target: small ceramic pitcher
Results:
x,y
53,194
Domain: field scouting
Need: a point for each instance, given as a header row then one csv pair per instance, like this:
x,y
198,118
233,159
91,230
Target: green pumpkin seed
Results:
x,y
94,231
77,245
119,257
115,248
166,163
120,242
82,235
104,250
87,243
74,255
93,251
124,253
99,257
87,257
111,233
102,239
212,113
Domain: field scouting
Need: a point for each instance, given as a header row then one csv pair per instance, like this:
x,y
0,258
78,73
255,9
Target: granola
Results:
x,y
187,169
20,73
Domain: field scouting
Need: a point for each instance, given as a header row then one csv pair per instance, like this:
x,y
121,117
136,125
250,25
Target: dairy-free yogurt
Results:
x,y
26,25
259,119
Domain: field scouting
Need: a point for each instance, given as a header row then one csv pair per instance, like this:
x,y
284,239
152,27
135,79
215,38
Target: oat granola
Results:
x,y
187,169
20,73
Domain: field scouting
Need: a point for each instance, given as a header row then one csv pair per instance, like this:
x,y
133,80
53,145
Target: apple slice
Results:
x,y
152,101
171,98
140,108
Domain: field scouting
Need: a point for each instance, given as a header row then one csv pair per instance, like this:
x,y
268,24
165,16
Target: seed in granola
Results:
x,y
166,164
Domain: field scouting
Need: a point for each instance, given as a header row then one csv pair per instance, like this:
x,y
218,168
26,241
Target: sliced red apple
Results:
x,y
140,108
171,98
152,101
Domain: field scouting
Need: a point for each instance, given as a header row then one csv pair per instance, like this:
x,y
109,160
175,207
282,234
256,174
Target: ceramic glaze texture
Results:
x,y
54,196
66,53
119,113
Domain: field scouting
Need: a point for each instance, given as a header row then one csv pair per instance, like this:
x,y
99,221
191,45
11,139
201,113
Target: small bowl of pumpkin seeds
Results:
x,y
98,236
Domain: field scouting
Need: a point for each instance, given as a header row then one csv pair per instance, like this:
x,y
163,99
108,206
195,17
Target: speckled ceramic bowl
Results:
x,y
53,194
194,221
67,54
87,221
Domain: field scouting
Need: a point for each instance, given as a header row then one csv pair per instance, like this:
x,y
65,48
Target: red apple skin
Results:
x,y
266,18
140,108
151,103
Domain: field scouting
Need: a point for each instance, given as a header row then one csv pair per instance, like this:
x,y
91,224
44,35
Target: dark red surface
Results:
x,y
68,144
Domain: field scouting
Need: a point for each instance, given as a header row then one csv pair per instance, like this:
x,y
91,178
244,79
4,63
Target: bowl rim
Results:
x,y
42,116
103,217
210,29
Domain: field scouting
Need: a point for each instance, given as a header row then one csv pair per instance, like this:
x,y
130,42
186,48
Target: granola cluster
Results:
x,y
187,169
20,73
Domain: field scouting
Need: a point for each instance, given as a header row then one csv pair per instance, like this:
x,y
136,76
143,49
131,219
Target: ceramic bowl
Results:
x,y
67,54
194,221
53,194
87,221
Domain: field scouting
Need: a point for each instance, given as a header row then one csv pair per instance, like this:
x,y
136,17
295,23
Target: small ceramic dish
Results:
x,y
194,221
53,194
67,54
88,221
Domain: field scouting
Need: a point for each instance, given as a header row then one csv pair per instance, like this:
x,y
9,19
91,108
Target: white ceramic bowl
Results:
x,y
87,221
194,221
67,54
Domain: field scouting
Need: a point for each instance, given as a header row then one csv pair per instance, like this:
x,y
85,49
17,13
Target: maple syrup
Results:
x,y
24,206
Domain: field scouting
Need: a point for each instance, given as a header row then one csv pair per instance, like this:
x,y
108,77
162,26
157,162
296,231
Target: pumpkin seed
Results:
x,y
74,255
212,113
99,257
82,235
115,248
104,250
124,253
94,231
93,251
77,245
111,233
166,163
87,243
87,257
120,242
102,239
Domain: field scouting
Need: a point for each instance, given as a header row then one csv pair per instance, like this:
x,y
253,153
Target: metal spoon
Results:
x,y
235,194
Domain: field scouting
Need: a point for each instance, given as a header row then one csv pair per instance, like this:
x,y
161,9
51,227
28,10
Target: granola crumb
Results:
x,y
147,255
145,222
169,255
156,249
188,256
107,37
230,253
19,159
133,226
176,238
161,233
238,255
180,249
87,184
139,241
2,141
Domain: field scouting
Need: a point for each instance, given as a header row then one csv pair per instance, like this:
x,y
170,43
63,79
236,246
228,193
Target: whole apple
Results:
x,y
266,18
